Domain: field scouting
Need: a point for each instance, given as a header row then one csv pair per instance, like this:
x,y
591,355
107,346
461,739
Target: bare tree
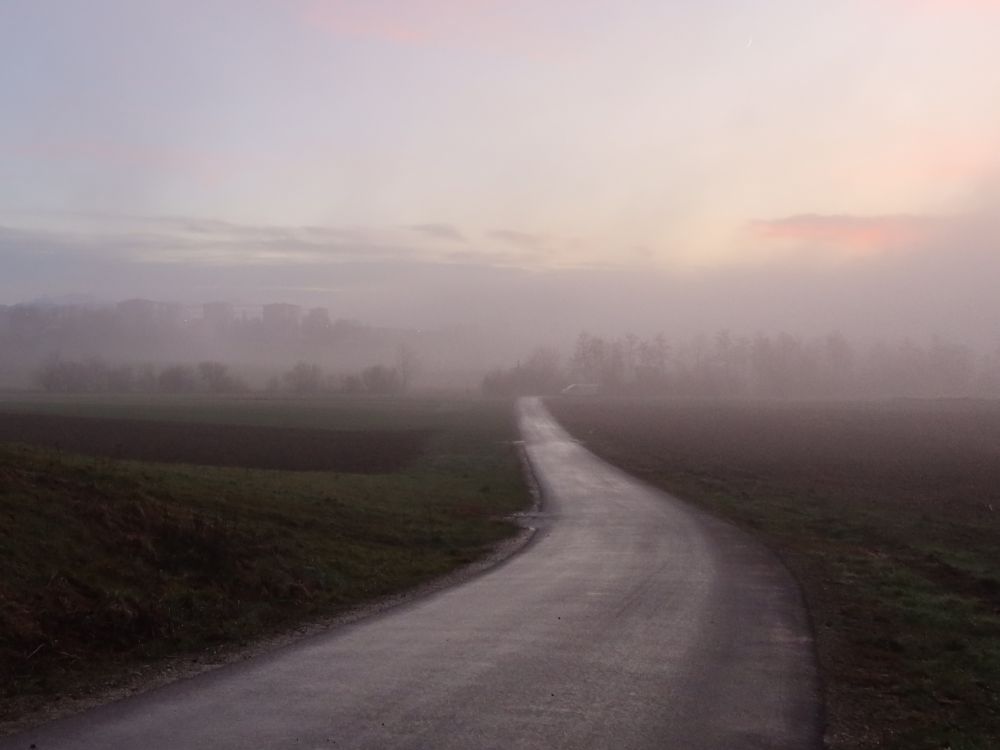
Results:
x,y
380,379
304,378
407,365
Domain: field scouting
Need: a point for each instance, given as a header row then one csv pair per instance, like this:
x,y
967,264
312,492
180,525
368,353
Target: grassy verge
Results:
x,y
888,514
108,565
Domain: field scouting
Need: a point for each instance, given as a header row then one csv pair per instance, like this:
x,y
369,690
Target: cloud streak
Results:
x,y
410,22
524,240
438,232
852,234
205,242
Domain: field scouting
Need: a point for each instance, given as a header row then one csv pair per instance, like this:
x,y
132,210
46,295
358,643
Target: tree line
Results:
x,y
94,375
138,331
773,366
308,378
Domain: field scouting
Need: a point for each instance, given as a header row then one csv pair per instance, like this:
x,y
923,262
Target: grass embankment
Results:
x,y
111,565
888,514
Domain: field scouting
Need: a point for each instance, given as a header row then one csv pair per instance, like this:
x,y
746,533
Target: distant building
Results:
x,y
169,314
137,311
218,316
281,319
317,321
144,315
281,313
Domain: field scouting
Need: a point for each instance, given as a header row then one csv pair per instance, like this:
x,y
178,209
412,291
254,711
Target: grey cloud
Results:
x,y
169,240
439,231
523,240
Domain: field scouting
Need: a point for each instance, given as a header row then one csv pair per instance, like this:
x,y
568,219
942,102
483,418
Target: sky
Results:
x,y
412,159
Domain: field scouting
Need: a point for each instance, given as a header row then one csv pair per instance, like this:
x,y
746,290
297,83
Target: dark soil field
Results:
x,y
889,516
250,446
113,568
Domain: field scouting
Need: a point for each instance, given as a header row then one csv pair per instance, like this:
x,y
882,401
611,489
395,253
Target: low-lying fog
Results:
x,y
886,316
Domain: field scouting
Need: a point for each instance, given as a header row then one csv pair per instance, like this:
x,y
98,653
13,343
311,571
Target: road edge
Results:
x,y
712,517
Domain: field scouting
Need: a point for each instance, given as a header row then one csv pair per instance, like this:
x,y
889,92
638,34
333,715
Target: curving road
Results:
x,y
631,621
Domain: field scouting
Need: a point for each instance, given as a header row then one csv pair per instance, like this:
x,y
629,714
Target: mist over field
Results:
x,y
932,297
472,182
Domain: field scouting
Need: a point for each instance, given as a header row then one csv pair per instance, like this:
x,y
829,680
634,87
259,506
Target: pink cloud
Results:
x,y
493,26
950,5
412,21
853,235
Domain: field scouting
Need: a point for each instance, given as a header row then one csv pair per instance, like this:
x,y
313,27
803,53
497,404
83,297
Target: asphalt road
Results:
x,y
630,621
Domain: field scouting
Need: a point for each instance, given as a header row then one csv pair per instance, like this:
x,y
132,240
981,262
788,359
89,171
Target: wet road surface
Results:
x,y
630,621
